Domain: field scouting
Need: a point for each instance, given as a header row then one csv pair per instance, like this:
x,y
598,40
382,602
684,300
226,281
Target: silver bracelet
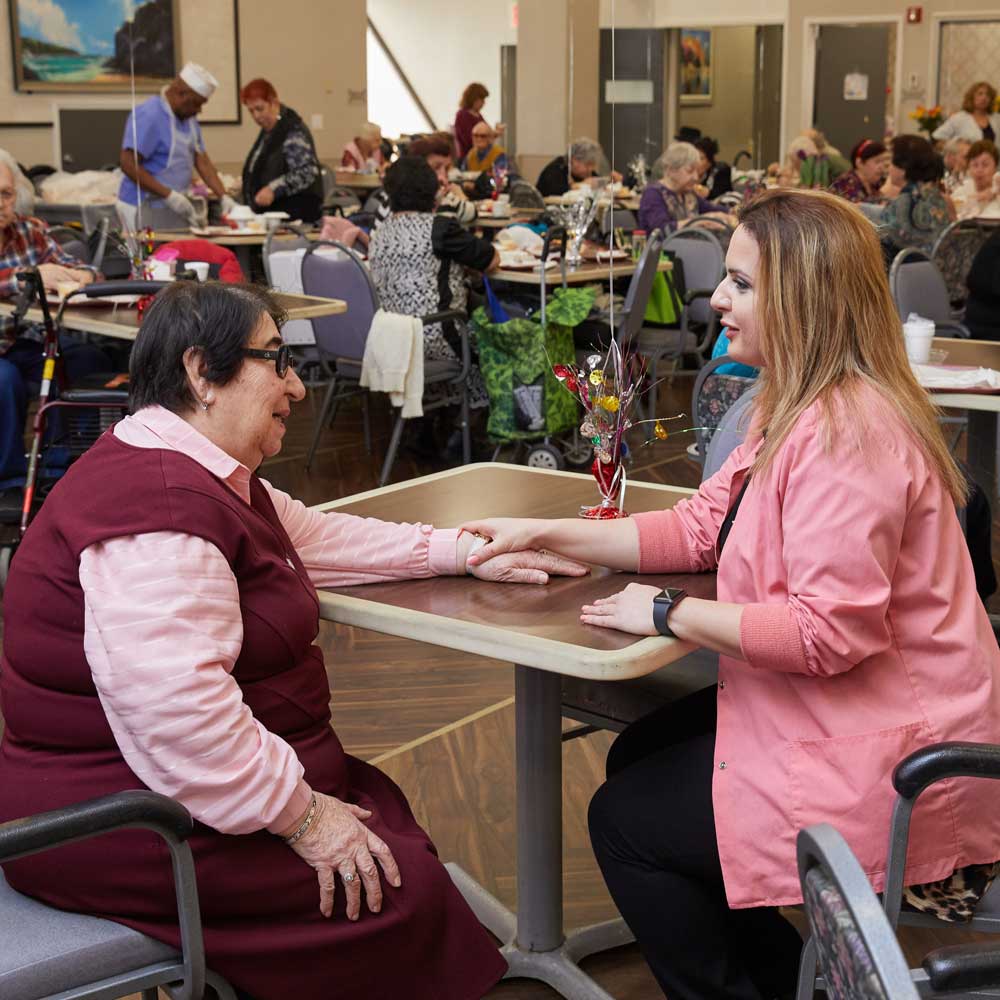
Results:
x,y
306,823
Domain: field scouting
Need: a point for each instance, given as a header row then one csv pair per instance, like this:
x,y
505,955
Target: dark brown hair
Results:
x,y
983,146
474,92
435,144
970,94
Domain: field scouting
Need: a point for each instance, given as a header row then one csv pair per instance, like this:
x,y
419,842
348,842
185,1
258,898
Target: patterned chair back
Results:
x,y
859,956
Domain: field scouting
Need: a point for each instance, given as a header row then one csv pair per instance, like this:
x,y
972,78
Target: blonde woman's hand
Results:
x,y
504,534
339,844
630,610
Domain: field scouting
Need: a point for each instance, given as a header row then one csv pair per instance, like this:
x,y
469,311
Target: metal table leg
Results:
x,y
534,943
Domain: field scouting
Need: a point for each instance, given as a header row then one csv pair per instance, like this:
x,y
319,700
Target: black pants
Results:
x,y
653,831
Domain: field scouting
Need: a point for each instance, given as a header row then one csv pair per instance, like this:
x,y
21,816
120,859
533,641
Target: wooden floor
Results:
x,y
441,724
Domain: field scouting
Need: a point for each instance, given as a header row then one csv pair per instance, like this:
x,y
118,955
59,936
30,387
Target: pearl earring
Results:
x,y
204,405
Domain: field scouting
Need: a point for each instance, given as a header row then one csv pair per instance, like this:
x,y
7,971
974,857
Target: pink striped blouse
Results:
x,y
163,630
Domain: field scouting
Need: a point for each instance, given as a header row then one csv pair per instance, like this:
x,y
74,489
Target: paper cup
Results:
x,y
918,333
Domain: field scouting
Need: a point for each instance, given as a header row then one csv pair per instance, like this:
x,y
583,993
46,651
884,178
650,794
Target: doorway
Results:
x,y
855,69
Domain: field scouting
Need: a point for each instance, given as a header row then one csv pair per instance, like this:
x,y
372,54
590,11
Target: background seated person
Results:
x,y
486,152
864,182
436,150
977,197
25,242
955,155
582,166
715,177
982,307
671,202
281,172
418,259
916,216
364,152
226,712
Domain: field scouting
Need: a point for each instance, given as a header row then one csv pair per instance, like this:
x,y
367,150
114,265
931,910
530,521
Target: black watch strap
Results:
x,y
663,604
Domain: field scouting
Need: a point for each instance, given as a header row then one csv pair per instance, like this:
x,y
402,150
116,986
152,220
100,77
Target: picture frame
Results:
x,y
80,46
697,52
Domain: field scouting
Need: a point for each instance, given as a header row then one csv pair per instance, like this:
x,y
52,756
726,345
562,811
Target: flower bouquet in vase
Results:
x,y
929,119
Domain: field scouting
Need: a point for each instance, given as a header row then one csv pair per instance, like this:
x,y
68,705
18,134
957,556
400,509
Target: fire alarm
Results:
x,y
914,15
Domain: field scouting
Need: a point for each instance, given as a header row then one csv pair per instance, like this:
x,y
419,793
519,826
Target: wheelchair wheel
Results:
x,y
545,456
578,452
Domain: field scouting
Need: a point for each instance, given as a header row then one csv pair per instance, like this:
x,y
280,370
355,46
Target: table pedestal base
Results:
x,y
558,968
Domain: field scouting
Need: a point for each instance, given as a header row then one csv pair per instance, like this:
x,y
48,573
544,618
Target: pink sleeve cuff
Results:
x,y
663,546
770,638
294,808
442,553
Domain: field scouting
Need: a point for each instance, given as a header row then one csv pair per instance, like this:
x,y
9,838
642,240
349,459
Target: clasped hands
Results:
x,y
523,564
630,610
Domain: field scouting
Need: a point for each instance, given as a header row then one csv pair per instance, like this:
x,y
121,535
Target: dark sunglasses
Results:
x,y
283,358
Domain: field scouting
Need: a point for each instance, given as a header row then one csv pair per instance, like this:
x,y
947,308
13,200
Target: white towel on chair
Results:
x,y
394,360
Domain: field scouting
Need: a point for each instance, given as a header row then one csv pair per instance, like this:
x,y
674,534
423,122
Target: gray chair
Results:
x,y
45,952
72,241
858,953
273,243
966,970
618,218
704,264
341,340
525,195
917,286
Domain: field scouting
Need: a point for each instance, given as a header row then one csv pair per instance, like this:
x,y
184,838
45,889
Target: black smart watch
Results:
x,y
663,604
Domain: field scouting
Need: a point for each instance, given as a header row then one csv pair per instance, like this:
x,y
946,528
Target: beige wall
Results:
x,y
444,45
315,72
558,52
729,118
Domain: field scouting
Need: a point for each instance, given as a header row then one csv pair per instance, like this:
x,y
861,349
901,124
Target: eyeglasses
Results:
x,y
283,358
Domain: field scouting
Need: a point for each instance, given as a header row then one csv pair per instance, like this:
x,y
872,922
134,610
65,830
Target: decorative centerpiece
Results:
x,y
608,389
928,119
577,218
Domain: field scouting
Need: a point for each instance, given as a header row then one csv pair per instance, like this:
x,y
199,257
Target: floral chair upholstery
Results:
x,y
954,252
844,957
716,396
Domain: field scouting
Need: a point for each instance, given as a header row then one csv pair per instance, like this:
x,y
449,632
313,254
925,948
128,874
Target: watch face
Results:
x,y
674,592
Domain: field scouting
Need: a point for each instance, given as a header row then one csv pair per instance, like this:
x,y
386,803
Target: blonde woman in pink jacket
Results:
x,y
847,623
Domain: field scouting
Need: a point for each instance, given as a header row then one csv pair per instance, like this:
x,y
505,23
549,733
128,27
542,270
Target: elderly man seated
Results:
x,y
25,242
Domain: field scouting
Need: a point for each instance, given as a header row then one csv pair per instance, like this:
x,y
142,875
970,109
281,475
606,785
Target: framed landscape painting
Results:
x,y
87,45
696,65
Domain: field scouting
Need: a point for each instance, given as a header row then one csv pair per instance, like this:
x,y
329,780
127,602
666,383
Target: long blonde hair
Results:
x,y
827,322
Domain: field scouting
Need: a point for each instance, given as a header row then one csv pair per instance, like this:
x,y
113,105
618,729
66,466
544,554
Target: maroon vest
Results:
x,y
49,702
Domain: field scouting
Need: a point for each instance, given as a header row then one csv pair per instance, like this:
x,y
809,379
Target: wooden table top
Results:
x,y
537,626
581,274
982,354
122,321
361,182
226,240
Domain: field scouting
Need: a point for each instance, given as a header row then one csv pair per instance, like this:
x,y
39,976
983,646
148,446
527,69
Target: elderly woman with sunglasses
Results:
x,y
159,632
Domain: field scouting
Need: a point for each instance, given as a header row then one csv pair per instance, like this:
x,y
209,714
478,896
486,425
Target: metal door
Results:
x,y
508,97
636,126
851,81
767,96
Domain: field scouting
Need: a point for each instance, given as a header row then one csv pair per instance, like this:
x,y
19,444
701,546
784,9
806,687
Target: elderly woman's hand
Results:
x,y
630,610
526,566
338,841
264,197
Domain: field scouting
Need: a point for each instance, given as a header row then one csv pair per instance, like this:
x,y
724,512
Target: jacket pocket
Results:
x,y
847,781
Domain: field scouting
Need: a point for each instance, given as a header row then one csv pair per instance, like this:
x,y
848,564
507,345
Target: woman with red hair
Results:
x,y
281,172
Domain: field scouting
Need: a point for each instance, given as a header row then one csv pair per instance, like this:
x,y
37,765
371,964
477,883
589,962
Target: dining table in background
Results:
x,y
358,182
121,321
538,629
982,407
576,274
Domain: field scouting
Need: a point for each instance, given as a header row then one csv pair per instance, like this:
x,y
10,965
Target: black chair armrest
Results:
x,y
945,760
441,317
963,967
21,837
101,288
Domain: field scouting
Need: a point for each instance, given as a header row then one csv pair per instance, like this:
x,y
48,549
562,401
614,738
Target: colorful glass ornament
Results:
x,y
659,431
593,360
596,376
610,403
561,372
